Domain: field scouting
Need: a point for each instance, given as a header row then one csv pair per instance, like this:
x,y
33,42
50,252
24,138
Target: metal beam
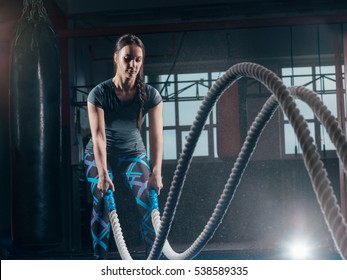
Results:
x,y
196,26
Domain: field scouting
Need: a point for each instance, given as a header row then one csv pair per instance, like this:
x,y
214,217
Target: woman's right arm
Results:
x,y
97,127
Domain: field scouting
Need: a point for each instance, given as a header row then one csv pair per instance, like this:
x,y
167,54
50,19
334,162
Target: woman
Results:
x,y
116,108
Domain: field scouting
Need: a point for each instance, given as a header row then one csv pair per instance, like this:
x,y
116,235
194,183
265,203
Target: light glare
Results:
x,y
299,250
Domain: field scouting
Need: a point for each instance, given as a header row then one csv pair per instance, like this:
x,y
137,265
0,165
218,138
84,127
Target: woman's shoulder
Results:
x,y
103,86
151,90
153,95
97,95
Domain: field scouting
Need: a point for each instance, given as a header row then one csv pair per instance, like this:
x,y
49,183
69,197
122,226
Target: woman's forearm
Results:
x,y
100,155
156,153
97,127
156,138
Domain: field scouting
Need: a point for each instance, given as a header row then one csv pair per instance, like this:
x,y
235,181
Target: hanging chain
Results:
x,y
40,8
32,8
25,12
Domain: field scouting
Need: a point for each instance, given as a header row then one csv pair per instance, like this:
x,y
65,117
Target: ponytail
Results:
x,y
141,98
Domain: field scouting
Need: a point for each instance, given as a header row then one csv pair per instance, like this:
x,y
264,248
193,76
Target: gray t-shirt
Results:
x,y
122,135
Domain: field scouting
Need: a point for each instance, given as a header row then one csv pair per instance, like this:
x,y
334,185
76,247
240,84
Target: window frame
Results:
x,y
210,126
319,135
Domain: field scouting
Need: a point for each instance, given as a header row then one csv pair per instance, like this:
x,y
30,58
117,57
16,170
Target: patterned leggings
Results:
x,y
135,171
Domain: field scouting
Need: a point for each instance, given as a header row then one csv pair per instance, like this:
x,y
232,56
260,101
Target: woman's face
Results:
x,y
129,61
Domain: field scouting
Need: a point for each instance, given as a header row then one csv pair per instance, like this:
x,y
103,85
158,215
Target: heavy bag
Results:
x,y
35,117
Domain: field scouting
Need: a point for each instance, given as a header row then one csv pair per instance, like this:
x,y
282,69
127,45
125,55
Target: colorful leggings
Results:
x,y
135,171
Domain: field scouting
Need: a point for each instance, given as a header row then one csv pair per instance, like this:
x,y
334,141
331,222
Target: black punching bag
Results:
x,y
35,117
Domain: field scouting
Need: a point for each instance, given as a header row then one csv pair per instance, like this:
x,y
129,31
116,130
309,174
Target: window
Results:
x,y
322,80
182,97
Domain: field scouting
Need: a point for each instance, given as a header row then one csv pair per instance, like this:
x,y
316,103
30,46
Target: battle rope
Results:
x,y
314,165
323,190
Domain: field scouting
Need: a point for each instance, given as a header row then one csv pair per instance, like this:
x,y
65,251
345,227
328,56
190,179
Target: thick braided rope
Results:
x,y
212,96
184,162
230,188
311,157
115,225
118,236
276,86
323,190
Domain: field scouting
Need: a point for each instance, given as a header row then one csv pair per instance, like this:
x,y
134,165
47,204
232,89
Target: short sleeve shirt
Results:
x,y
122,134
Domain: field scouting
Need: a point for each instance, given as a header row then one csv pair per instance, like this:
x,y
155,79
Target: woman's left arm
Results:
x,y
155,115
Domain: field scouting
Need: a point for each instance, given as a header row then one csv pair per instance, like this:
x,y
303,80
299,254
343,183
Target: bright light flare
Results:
x,y
299,250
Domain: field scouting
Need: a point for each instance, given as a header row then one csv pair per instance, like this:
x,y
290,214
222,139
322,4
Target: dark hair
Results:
x,y
126,40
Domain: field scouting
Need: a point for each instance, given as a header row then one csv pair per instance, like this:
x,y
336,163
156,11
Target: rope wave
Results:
x,y
282,97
